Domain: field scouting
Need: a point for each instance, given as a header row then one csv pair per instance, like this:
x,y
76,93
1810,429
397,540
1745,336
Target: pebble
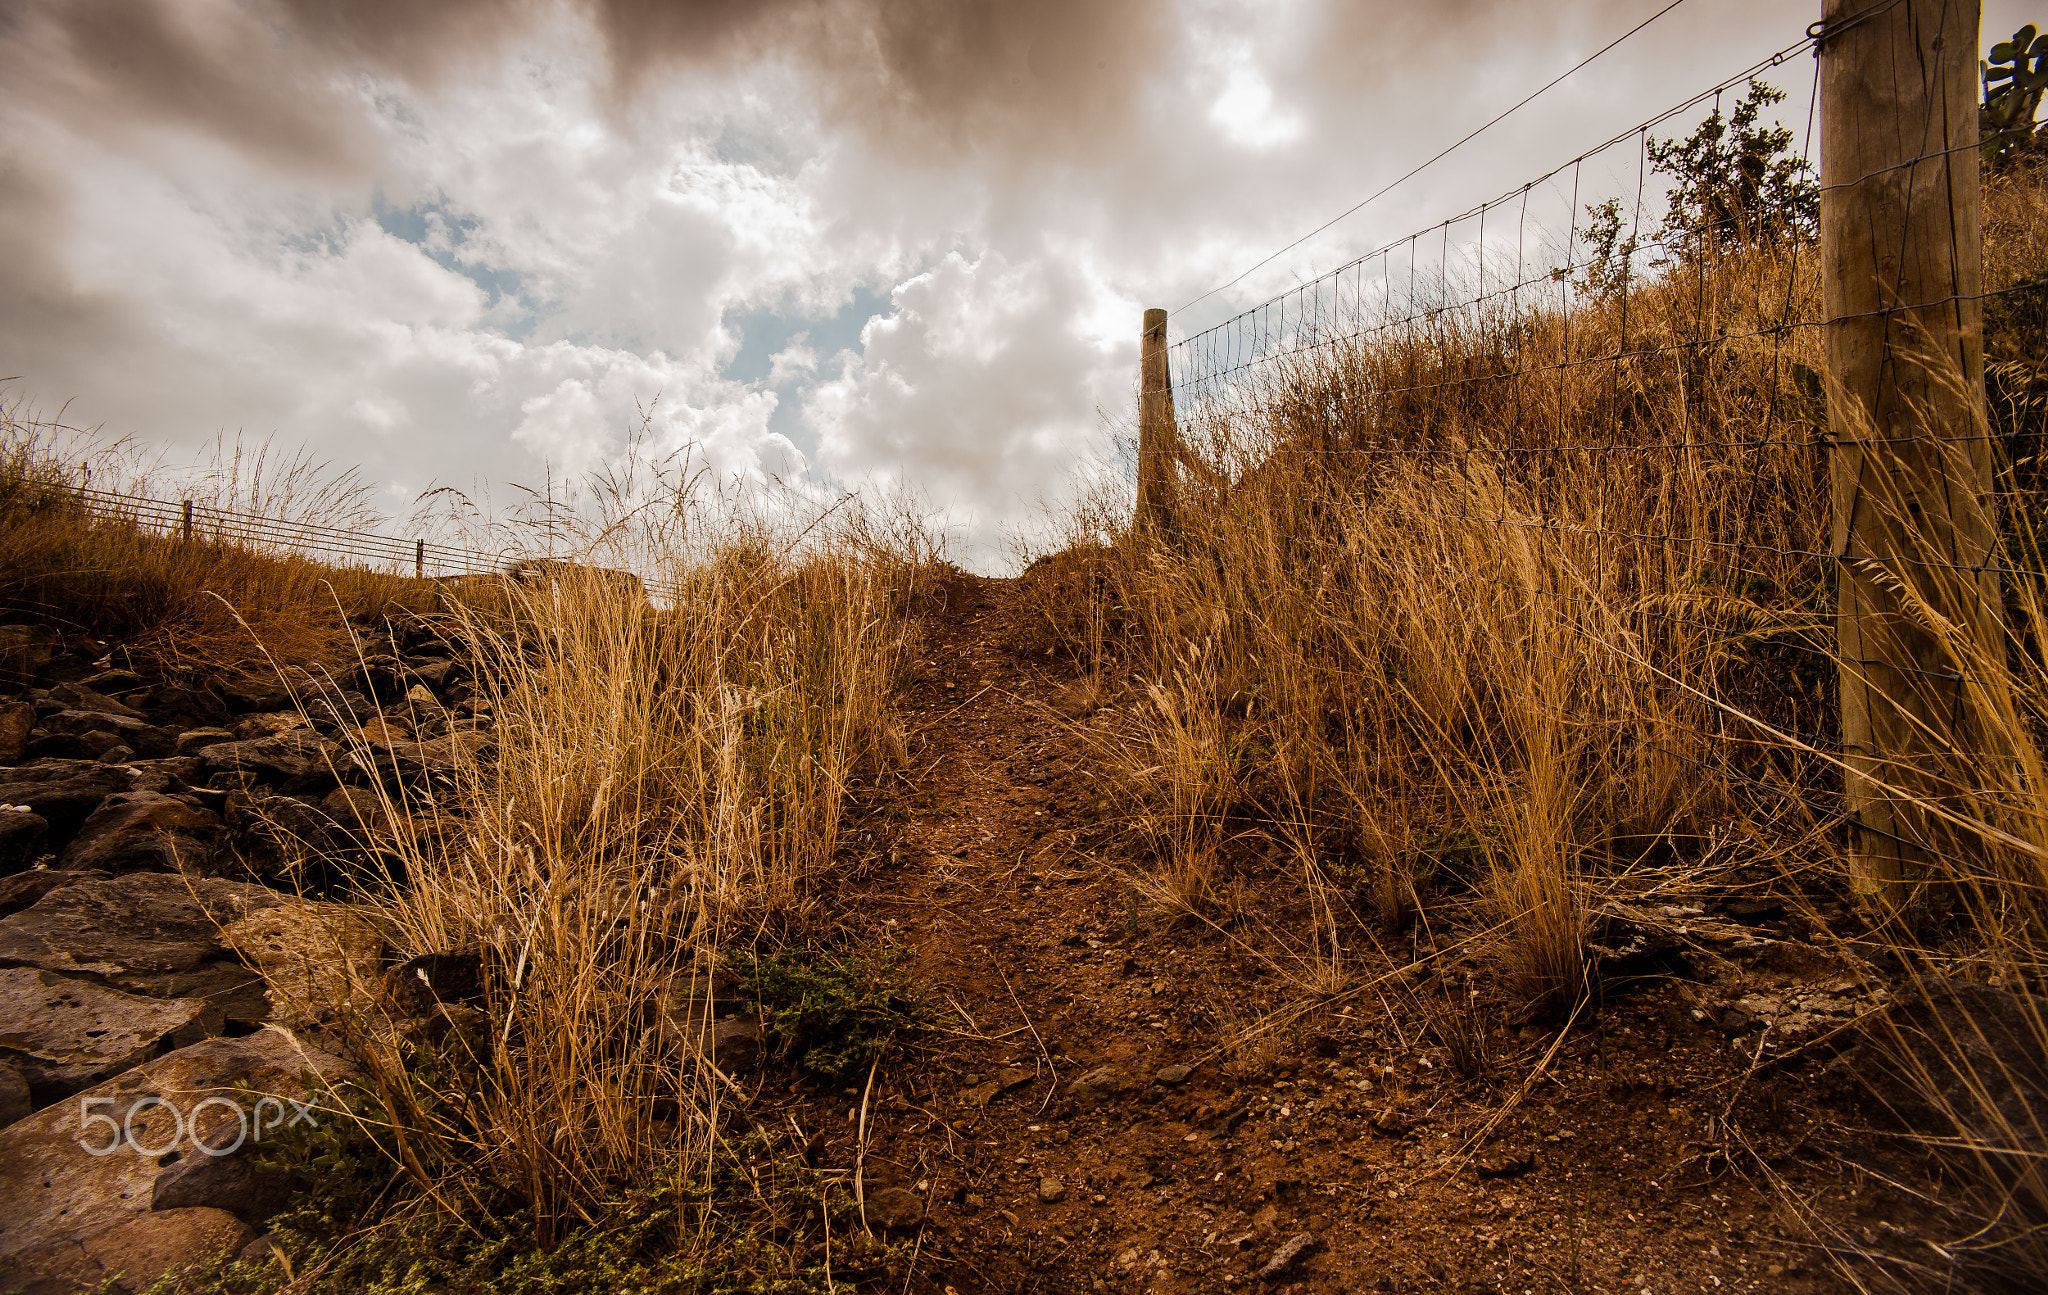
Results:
x,y
1051,1190
895,1209
1172,1076
1290,1253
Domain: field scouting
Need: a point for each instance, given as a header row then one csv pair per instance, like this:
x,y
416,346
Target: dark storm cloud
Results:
x,y
128,64
1036,79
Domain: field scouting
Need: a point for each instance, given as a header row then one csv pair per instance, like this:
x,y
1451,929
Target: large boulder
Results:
x,y
130,931
15,1102
63,1035
231,990
81,1191
144,831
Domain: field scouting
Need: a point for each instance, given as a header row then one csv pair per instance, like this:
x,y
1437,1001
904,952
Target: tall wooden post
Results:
x,y
1911,466
1156,437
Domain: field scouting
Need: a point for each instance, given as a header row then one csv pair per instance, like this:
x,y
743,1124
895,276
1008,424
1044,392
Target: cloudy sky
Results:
x,y
848,242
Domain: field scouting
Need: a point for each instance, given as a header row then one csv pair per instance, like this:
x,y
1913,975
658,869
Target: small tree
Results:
x,y
1736,183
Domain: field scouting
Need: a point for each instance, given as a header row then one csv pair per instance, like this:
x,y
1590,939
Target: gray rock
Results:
x,y
194,740
445,976
1097,1086
117,755
15,1102
1291,1252
281,756
361,813
894,1209
25,888
298,827
131,1253
331,707
17,719
98,730
734,1046
88,1205
1173,1076
1051,1190
21,836
64,1035
144,831
687,1029
432,671
262,1250
77,696
314,956
438,756
64,792
130,929
248,693
123,685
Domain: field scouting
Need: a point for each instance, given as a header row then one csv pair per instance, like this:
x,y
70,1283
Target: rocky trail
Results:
x,y
1099,1121
1117,1101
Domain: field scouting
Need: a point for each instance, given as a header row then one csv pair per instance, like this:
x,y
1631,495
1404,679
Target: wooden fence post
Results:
x,y
419,559
185,519
1156,436
1910,462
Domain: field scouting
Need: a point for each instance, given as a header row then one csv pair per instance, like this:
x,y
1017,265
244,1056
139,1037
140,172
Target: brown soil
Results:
x,y
1638,1151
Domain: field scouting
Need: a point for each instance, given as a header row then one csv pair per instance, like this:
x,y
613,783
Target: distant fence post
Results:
x,y
1910,462
185,519
419,559
1156,436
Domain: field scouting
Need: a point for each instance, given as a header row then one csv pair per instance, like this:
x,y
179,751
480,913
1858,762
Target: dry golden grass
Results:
x,y
666,786
199,606
1456,618
1396,626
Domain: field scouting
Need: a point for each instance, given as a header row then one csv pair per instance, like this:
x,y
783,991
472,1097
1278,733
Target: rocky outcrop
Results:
x,y
84,1208
62,1035
130,931
141,995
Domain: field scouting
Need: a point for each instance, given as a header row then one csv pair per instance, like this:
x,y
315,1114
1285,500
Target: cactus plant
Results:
x,y
2015,76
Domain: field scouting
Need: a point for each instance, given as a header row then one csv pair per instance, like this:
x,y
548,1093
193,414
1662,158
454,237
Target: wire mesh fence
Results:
x,y
191,520
1591,414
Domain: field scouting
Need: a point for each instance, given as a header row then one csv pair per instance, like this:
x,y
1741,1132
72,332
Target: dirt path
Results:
x,y
1153,1178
